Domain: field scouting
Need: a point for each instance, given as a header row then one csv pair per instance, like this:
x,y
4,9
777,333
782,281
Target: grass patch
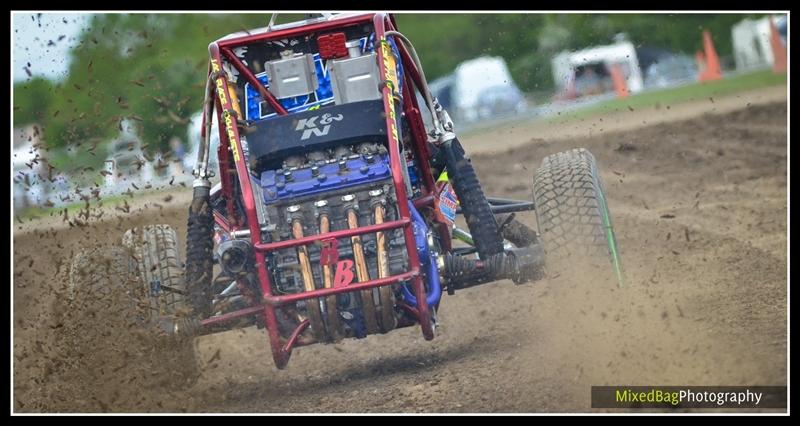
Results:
x,y
691,92
664,97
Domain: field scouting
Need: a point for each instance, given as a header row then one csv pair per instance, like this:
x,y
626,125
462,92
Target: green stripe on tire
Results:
x,y
611,239
572,211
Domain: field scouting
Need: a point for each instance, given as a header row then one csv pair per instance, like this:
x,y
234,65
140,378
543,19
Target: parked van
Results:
x,y
588,72
752,46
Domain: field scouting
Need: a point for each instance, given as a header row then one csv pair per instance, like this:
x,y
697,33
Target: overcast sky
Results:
x,y
42,42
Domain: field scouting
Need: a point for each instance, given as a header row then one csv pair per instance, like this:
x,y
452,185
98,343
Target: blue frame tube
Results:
x,y
427,260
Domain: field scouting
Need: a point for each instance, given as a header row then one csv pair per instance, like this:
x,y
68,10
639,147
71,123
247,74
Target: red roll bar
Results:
x,y
229,138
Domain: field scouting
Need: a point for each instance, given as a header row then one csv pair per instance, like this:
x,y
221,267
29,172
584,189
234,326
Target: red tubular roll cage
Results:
x,y
230,142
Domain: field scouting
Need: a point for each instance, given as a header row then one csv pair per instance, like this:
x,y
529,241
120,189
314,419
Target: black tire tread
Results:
x,y
100,273
567,191
155,247
105,290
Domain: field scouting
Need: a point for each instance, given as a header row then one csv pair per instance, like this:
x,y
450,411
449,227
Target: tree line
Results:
x,y
151,69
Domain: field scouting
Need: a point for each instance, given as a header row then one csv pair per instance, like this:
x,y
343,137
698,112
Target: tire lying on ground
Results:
x,y
161,273
572,212
155,250
115,295
102,274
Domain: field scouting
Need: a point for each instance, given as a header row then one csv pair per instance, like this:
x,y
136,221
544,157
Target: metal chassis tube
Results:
x,y
230,139
419,136
505,205
418,286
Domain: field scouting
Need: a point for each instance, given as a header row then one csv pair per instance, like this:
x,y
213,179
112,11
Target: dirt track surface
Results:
x,y
700,211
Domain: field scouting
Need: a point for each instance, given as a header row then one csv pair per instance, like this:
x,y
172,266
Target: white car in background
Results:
x,y
501,101
29,189
126,166
671,71
477,79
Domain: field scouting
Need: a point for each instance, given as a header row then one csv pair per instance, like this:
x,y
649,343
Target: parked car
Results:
x,y
126,164
472,79
503,100
671,70
29,189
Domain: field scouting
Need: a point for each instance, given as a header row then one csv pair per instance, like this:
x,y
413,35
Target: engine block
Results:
x,y
331,183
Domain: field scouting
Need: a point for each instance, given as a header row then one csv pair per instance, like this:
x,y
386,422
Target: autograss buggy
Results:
x,y
340,182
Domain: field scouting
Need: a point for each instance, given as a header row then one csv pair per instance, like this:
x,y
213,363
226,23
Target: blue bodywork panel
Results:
x,y
323,95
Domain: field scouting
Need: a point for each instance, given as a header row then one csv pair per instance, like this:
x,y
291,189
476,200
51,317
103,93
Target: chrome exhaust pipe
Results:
x,y
312,306
387,314
362,273
335,330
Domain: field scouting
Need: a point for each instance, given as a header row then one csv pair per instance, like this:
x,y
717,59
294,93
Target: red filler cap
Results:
x,y
332,46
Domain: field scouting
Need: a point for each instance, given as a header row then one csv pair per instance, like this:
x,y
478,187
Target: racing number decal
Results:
x,y
231,137
389,65
226,114
390,71
344,273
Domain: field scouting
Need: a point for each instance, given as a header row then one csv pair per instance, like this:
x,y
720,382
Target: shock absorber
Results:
x,y
520,265
477,211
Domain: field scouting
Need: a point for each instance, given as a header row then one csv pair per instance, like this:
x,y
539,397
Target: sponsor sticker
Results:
x,y
448,203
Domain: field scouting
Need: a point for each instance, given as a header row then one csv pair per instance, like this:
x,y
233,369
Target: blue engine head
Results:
x,y
324,176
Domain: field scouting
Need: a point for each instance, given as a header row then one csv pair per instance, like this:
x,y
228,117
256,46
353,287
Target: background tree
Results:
x,y
151,69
